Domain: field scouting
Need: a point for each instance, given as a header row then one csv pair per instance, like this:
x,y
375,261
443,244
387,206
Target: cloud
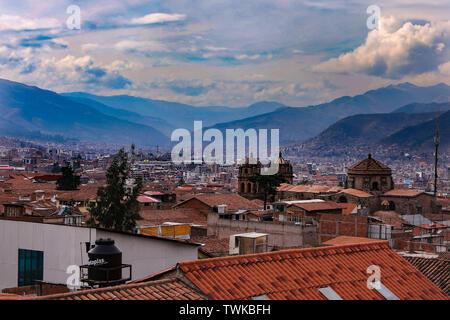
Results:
x,y
131,46
89,47
18,23
396,51
71,69
212,48
158,18
445,68
245,57
191,88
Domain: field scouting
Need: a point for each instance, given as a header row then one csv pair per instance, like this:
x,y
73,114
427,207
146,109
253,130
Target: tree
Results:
x,y
268,184
56,168
68,181
116,206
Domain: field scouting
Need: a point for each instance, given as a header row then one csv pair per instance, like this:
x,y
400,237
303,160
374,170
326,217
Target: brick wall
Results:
x,y
194,204
332,226
281,235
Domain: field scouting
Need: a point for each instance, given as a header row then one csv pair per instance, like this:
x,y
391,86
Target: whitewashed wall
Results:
x,y
64,246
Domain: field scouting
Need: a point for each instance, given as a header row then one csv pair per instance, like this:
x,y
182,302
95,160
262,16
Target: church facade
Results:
x,y
370,175
251,190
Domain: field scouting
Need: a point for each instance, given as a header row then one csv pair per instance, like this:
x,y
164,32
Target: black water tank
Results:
x,y
105,255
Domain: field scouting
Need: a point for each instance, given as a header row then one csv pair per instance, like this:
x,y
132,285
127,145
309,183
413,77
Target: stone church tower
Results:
x,y
371,176
251,190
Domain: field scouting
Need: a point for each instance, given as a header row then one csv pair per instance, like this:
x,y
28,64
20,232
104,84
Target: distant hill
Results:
x,y
300,124
421,136
179,115
365,129
424,107
26,109
157,123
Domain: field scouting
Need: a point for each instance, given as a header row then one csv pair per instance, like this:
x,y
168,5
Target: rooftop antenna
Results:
x,y
436,144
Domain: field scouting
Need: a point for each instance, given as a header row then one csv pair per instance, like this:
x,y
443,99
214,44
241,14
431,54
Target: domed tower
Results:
x,y
251,190
285,169
370,175
247,188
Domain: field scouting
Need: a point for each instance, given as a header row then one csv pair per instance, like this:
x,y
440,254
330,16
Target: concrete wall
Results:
x,y
64,245
149,256
60,244
281,235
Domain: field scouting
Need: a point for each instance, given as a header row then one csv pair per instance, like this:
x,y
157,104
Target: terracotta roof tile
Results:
x,y
347,208
437,270
167,289
369,166
297,274
348,240
356,193
180,215
402,193
390,217
232,200
317,206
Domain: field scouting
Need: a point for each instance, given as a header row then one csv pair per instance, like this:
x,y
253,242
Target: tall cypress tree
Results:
x,y
116,206
68,181
268,184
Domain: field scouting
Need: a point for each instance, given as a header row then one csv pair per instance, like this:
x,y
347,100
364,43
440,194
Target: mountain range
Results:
x,y
408,127
300,124
372,117
421,136
31,112
179,115
26,109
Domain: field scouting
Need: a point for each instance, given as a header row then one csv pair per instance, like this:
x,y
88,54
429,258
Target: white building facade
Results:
x,y
45,251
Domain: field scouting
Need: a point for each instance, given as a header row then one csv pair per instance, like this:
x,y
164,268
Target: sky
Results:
x,y
225,53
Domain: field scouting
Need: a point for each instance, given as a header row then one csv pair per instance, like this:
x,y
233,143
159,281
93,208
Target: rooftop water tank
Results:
x,y
105,261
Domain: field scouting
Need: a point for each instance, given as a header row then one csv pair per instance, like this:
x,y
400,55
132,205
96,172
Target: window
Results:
x,y
385,292
330,294
31,267
236,242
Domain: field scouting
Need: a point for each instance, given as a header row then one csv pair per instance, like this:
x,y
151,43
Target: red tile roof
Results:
x,y
437,270
212,245
391,217
341,240
356,193
347,208
369,166
402,193
232,200
147,199
299,273
182,215
87,192
167,289
318,206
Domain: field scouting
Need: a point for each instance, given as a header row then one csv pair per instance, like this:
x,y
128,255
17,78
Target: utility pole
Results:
x,y
436,144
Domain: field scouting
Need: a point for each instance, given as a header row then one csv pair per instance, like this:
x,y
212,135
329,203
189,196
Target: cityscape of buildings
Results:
x,y
235,156
192,212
